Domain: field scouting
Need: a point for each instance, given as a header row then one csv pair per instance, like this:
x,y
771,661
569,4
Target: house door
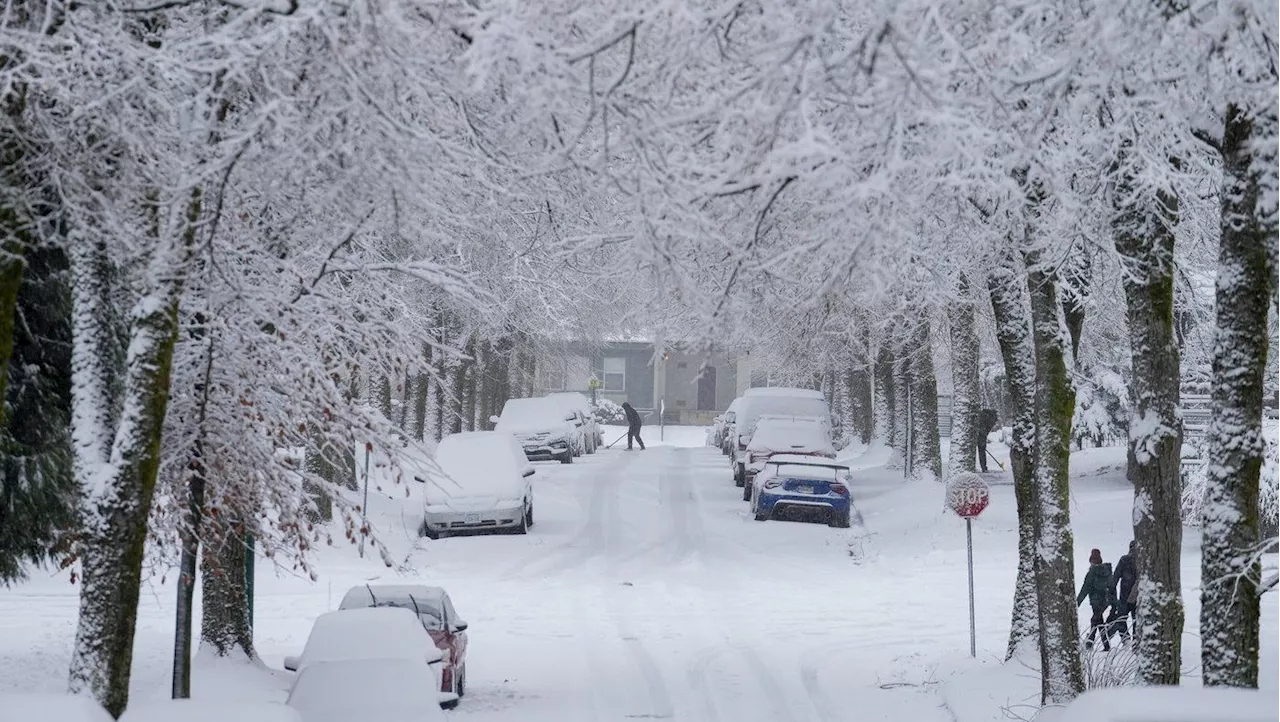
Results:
x,y
707,389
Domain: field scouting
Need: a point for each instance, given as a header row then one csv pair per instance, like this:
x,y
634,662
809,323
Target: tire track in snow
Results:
x,y
591,539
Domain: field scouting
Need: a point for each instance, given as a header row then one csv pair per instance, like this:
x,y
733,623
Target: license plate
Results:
x,y
471,518
804,489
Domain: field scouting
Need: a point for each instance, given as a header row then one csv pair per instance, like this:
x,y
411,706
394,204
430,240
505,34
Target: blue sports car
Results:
x,y
791,485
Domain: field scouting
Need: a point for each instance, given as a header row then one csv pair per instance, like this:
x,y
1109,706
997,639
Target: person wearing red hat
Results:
x,y
1097,589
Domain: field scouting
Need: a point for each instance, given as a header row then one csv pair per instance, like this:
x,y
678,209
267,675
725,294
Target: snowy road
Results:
x,y
646,591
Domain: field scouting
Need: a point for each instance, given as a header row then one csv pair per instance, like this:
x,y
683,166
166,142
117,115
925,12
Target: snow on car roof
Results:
x,y
784,391
368,633
188,710
753,407
531,414
477,463
785,436
53,707
365,596
387,690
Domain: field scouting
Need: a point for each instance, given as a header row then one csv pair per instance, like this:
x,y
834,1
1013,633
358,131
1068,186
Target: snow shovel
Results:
x,y
620,438
993,458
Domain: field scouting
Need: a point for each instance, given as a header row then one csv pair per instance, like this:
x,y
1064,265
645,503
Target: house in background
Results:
x,y
629,371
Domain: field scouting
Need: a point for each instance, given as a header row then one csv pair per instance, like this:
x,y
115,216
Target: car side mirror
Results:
x,y
291,663
529,472
460,627
493,419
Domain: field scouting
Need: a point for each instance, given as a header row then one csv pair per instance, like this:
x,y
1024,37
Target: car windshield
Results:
x,y
432,618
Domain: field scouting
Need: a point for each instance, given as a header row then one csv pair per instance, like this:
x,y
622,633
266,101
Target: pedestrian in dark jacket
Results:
x,y
987,420
633,425
1097,589
1125,577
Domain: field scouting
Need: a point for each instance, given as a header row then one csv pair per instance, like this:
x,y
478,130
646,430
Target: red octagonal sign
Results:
x,y
967,495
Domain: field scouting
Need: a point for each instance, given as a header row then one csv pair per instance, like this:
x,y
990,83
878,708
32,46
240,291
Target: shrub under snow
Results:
x,y
1193,487
609,412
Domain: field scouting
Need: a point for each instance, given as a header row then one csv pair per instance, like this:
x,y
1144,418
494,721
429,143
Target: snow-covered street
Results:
x,y
645,591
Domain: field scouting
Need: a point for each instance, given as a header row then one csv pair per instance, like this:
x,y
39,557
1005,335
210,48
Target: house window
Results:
x,y
615,374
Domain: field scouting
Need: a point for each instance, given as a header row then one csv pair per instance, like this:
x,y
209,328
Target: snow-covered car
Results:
x,y
783,391
381,690
775,403
802,487
723,426
545,430
435,610
1169,704
487,484
591,429
375,633
795,436
200,710
50,707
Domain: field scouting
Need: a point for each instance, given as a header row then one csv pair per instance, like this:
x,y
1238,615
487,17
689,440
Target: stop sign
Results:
x,y
967,495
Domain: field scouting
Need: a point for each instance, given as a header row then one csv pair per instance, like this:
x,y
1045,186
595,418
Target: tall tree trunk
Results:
x,y
1010,307
189,540
117,466
902,404
886,396
1246,287
1063,673
926,446
964,383
383,398
1144,240
225,625
10,281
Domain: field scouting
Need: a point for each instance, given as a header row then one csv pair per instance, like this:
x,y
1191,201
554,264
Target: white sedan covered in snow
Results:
x,y
374,633
381,690
486,485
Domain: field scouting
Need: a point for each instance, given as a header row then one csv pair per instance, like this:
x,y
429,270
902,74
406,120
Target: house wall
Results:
x,y
639,374
682,383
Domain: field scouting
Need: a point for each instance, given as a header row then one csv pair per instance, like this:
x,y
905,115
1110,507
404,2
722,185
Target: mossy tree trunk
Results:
x,y
1144,240
118,467
1063,673
1009,304
1246,287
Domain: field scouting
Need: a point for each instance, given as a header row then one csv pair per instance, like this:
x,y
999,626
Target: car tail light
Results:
x,y
840,489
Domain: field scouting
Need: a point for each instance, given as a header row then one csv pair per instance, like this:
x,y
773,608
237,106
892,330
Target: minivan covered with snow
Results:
x,y
544,428
777,402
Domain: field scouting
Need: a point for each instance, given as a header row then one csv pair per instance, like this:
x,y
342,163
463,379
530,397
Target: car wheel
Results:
x,y
840,521
746,492
523,526
427,532
528,516
461,686
568,457
739,476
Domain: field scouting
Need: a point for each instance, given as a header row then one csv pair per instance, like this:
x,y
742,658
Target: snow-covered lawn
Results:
x,y
646,591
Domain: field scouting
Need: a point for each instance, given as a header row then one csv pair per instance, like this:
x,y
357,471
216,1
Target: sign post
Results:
x,y
967,496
